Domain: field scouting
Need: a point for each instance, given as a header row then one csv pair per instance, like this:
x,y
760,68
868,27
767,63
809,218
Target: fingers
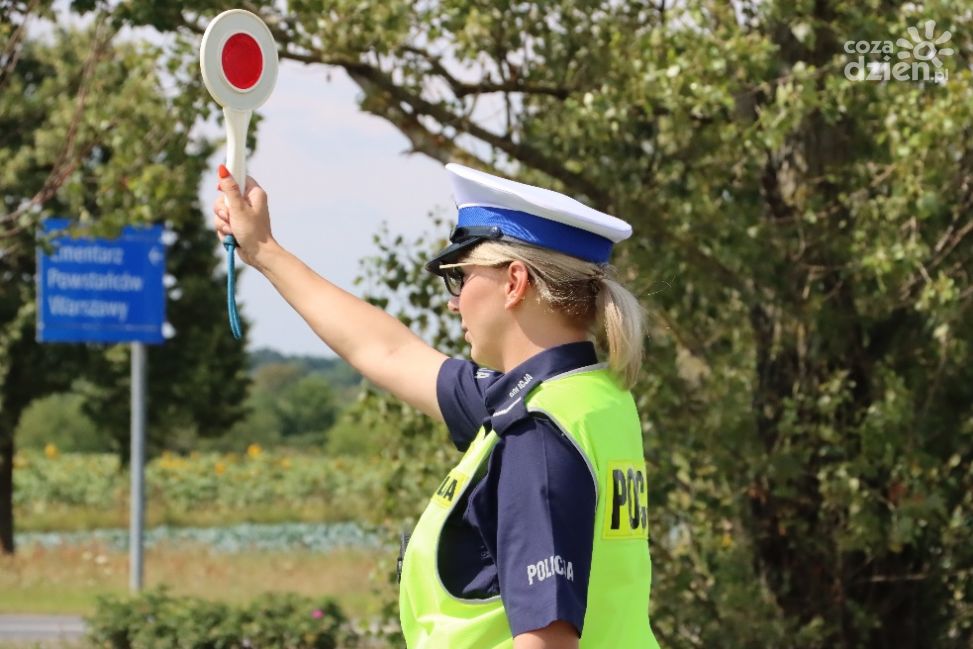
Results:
x,y
222,227
250,205
256,196
221,218
251,185
231,190
253,193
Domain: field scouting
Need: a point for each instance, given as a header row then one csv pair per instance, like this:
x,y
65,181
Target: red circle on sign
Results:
x,y
243,62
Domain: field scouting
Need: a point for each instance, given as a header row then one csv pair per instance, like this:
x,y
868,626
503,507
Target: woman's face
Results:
x,y
482,315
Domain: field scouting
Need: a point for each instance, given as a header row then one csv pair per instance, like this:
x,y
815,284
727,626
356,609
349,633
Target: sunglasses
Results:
x,y
454,279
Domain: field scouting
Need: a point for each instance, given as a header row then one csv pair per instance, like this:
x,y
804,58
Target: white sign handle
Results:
x,y
237,122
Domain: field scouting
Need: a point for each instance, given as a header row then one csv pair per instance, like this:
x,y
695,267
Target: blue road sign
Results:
x,y
102,290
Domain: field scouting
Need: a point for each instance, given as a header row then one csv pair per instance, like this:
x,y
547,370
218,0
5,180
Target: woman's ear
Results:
x,y
517,284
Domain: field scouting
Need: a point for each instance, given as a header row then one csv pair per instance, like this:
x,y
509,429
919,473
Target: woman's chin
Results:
x,y
475,354
482,359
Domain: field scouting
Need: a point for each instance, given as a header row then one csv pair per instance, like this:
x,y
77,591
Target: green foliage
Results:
x,y
86,491
350,437
59,419
307,407
158,620
341,375
71,479
294,401
288,405
332,488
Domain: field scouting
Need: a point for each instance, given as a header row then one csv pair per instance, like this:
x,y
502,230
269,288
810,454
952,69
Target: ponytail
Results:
x,y
619,329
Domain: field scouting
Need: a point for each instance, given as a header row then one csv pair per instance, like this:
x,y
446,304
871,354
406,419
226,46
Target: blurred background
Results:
x,y
800,180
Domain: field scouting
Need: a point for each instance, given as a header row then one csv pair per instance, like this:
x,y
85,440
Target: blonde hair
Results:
x,y
586,293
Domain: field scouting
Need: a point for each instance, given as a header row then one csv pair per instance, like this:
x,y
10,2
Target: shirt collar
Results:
x,y
515,384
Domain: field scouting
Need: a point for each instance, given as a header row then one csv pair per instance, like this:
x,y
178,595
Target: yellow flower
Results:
x,y
726,541
51,451
254,451
285,463
169,460
220,468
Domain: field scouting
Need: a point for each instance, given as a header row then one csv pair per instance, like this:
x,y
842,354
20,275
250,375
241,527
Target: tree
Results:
x,y
289,403
96,137
803,244
59,419
307,408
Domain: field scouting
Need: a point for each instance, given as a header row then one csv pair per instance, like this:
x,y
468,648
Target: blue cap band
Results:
x,y
539,231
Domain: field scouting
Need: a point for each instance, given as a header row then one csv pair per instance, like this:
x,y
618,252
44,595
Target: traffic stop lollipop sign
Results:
x,y
238,59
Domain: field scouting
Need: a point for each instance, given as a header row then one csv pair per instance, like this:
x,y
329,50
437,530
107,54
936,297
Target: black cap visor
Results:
x,y
462,240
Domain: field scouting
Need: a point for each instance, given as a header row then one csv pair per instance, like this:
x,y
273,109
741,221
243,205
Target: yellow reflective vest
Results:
x,y
601,420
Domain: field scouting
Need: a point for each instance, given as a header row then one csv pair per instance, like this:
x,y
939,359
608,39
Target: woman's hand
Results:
x,y
245,217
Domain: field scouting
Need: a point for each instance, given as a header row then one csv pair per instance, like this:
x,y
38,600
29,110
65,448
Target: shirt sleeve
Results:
x,y
460,389
545,512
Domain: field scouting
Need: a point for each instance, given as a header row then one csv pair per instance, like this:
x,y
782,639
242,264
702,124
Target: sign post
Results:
x,y
109,290
136,465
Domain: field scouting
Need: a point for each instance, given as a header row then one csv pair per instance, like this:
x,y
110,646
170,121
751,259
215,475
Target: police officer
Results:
x,y
538,537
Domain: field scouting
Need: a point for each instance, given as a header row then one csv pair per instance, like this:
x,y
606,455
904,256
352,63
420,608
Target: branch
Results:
x,y
687,339
12,49
435,145
948,243
463,89
52,184
780,209
68,160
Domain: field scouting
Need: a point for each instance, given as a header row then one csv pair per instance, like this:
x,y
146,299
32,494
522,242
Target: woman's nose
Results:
x,y
453,304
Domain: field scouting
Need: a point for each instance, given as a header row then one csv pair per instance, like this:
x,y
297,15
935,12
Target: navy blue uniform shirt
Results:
x,y
525,528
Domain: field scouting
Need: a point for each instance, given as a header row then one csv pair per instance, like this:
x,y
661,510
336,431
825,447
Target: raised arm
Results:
x,y
381,348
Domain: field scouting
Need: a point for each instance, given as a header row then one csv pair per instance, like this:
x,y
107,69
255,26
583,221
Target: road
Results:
x,y
40,627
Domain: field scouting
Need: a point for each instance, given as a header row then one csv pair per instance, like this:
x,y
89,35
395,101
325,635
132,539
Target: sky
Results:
x,y
333,174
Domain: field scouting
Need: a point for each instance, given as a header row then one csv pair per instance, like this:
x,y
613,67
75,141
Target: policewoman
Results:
x,y
538,537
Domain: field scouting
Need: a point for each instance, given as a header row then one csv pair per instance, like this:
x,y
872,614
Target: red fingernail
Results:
x,y
223,171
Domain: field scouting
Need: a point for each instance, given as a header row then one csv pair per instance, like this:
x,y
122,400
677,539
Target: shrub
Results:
x,y
158,620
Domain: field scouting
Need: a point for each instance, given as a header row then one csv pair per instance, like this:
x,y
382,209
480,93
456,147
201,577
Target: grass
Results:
x,y
67,580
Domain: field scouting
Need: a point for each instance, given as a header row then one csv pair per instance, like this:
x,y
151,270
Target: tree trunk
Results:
x,y
7,491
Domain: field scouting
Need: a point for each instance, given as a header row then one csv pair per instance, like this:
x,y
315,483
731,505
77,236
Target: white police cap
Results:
x,y
496,208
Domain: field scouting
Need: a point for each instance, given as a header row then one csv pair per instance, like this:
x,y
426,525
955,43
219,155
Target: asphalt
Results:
x,y
15,628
